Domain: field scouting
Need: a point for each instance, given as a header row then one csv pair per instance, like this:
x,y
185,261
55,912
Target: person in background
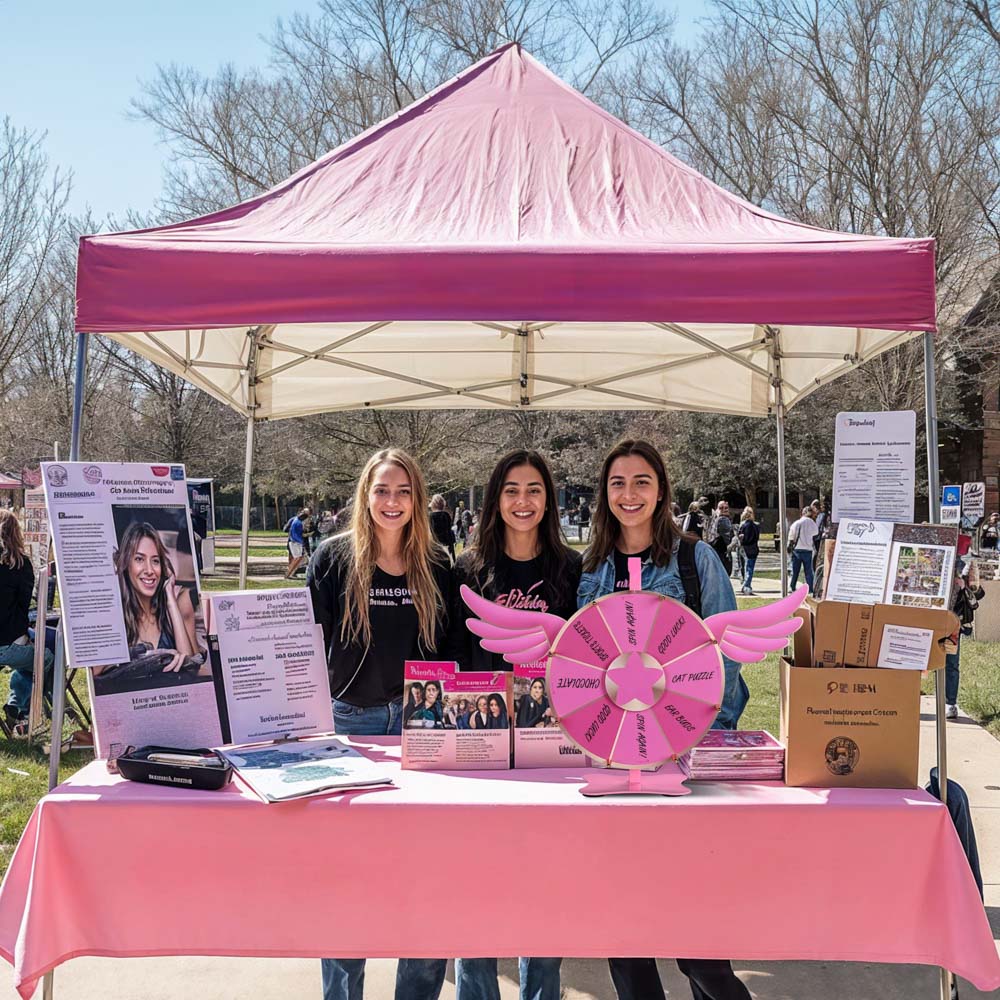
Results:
x,y
297,554
990,536
17,581
441,525
326,526
414,702
632,519
381,591
821,518
694,520
309,529
584,521
800,544
723,527
748,536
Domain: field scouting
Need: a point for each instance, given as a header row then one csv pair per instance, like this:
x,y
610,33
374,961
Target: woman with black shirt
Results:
x,y
17,582
534,709
518,559
381,591
441,525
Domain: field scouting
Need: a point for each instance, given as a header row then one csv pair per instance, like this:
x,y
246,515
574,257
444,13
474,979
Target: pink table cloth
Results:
x,y
112,868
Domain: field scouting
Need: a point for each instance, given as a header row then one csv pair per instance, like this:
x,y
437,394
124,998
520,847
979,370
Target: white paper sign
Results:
x,y
905,648
860,561
873,466
128,582
951,515
276,682
974,500
920,576
239,610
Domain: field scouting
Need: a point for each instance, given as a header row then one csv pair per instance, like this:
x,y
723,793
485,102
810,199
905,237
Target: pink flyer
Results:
x,y
538,738
455,720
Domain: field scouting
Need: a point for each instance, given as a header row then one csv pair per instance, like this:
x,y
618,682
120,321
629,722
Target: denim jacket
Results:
x,y
716,596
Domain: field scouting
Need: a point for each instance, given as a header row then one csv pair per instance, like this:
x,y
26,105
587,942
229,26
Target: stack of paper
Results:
x,y
736,755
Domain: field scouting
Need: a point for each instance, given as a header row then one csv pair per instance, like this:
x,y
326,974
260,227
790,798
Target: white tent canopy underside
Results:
x,y
304,369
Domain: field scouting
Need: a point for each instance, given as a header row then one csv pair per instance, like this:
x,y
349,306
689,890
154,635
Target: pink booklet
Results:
x,y
538,738
455,720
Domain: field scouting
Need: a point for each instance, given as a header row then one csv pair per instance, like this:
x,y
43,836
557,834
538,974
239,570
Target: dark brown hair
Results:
x,y
490,535
605,528
132,609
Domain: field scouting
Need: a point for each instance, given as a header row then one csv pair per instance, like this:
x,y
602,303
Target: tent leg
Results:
x,y
933,496
79,383
247,489
782,494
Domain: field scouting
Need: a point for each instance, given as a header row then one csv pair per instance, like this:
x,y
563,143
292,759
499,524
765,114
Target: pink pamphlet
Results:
x,y
455,720
538,738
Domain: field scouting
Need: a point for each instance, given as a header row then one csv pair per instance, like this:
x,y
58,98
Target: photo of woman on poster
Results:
x,y
430,714
533,710
414,700
162,624
480,717
497,709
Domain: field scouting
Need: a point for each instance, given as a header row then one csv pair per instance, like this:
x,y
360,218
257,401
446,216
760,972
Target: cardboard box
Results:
x,y
850,635
858,637
829,633
850,727
802,641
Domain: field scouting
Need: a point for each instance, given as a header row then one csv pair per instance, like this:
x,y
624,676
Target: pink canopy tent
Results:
x,y
503,193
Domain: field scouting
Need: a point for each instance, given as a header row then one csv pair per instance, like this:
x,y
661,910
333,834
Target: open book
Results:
x,y
281,771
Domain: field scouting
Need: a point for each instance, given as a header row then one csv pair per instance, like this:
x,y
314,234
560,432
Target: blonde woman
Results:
x,y
749,538
380,591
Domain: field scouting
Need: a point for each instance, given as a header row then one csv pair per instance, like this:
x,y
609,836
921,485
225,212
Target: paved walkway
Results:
x,y
974,760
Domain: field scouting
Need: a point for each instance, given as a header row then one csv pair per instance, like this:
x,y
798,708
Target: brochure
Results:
x,y
455,720
860,561
306,767
538,738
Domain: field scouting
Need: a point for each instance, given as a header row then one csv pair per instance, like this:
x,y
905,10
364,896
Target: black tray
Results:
x,y
212,775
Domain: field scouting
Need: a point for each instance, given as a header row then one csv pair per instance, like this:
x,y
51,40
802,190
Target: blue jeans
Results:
x,y
476,978
416,978
21,660
951,665
751,562
379,720
802,559
344,978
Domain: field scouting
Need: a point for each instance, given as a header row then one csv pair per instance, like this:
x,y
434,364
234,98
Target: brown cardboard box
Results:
x,y
944,624
858,637
829,633
802,641
850,728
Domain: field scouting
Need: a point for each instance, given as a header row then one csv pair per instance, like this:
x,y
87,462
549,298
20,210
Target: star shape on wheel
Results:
x,y
635,681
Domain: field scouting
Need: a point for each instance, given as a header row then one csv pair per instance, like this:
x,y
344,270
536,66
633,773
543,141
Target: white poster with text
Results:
x,y
874,465
128,583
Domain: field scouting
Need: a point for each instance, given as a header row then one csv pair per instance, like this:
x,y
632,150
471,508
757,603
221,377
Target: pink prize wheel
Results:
x,y
635,678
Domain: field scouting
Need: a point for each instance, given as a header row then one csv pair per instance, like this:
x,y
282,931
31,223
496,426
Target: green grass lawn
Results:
x,y
979,695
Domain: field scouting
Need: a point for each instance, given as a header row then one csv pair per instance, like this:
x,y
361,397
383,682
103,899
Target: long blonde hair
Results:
x,y
12,553
420,551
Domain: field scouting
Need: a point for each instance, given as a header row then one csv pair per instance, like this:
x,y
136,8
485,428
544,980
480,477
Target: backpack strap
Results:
x,y
689,576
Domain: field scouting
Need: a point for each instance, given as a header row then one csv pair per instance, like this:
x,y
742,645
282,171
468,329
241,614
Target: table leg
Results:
x,y
47,985
945,984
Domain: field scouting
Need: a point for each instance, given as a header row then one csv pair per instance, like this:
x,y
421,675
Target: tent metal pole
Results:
x,y
248,458
779,411
934,511
247,488
79,383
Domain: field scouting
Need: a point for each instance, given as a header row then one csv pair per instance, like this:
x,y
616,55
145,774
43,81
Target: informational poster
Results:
x,y
272,664
36,528
128,583
860,561
874,465
922,567
201,500
538,739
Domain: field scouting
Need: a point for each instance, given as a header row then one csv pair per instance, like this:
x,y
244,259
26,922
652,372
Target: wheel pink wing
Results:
x,y
748,636
522,636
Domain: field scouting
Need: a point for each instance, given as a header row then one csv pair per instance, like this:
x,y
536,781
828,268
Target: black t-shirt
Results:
x,y
16,586
395,629
621,565
518,584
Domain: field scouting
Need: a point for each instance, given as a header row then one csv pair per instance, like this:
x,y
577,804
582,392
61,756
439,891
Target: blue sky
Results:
x,y
70,69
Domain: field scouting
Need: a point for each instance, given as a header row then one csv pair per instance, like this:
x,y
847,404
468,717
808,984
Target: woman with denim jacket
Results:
x,y
633,519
